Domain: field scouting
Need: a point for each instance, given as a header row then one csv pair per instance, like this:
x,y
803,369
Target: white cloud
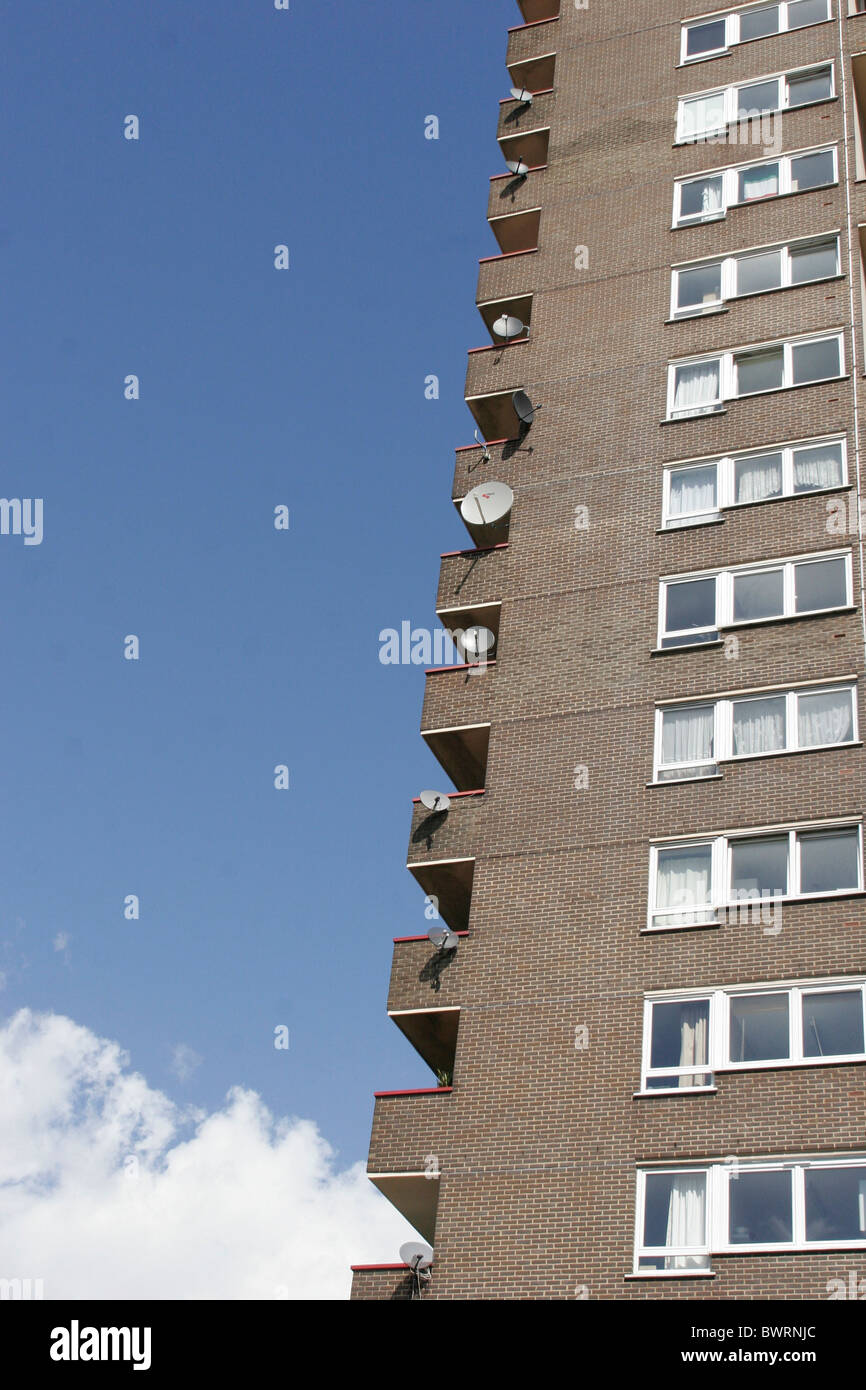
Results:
x,y
61,941
109,1190
184,1061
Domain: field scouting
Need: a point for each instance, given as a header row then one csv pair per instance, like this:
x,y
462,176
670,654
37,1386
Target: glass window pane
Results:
x,y
829,860
683,885
836,1203
759,371
760,1031
816,361
757,24
701,197
687,734
757,273
758,477
758,97
818,466
802,12
759,868
702,114
680,1035
705,38
812,171
693,490
760,1208
812,86
759,181
759,725
702,285
675,1213
697,387
690,603
833,1023
820,584
825,718
758,595
813,262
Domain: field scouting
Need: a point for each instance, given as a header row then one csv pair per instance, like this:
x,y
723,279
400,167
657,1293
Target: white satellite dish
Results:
x,y
435,801
522,95
443,938
524,408
478,641
416,1254
508,327
486,504
517,167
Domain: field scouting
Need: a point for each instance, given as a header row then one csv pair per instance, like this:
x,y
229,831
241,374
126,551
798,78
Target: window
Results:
x,y
707,284
715,34
697,491
692,739
707,114
693,608
689,1037
707,197
701,387
685,1214
695,881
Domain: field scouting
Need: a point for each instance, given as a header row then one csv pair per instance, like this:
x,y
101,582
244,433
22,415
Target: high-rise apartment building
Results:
x,y
651,1031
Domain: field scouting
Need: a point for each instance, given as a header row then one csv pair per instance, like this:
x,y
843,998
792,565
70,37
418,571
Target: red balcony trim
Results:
x,y
498,347
452,796
542,91
418,1091
533,169
491,443
359,1269
533,24
398,940
506,255
474,550
435,670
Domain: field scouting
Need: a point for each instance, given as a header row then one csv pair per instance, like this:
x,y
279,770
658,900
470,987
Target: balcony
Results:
x,y
384,1283
516,117
470,576
515,232
422,976
535,10
518,306
510,194
409,1137
493,374
461,752
531,55
504,279
506,463
530,146
448,879
432,1032
458,697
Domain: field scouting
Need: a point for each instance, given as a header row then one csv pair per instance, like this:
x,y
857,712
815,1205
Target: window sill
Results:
x,y
759,502
687,926
676,1091
751,202
754,758
678,781
698,415
673,1274
689,647
688,315
756,395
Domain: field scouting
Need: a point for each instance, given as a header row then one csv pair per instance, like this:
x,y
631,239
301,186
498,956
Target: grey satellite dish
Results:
x,y
508,327
520,94
443,938
485,457
524,408
518,168
486,504
416,1254
478,641
435,801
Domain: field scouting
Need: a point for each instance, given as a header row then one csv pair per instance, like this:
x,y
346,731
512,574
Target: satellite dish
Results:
x,y
485,457
486,504
508,327
524,408
520,94
416,1254
435,801
444,939
518,168
478,641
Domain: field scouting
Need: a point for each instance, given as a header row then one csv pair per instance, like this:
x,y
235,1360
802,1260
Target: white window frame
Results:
x,y
718,1037
727,371
732,27
720,896
725,595
731,103
723,725
730,177
725,466
728,267
719,1176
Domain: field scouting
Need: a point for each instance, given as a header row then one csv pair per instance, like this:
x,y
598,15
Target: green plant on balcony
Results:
x,y
444,1076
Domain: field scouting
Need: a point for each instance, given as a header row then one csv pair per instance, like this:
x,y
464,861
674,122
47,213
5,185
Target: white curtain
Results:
x,y
693,1040
702,114
697,387
815,468
693,490
824,718
686,1219
759,183
759,726
683,886
759,477
687,735
711,197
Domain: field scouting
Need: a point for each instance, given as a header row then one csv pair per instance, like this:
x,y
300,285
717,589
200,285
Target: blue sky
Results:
x,y
258,387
